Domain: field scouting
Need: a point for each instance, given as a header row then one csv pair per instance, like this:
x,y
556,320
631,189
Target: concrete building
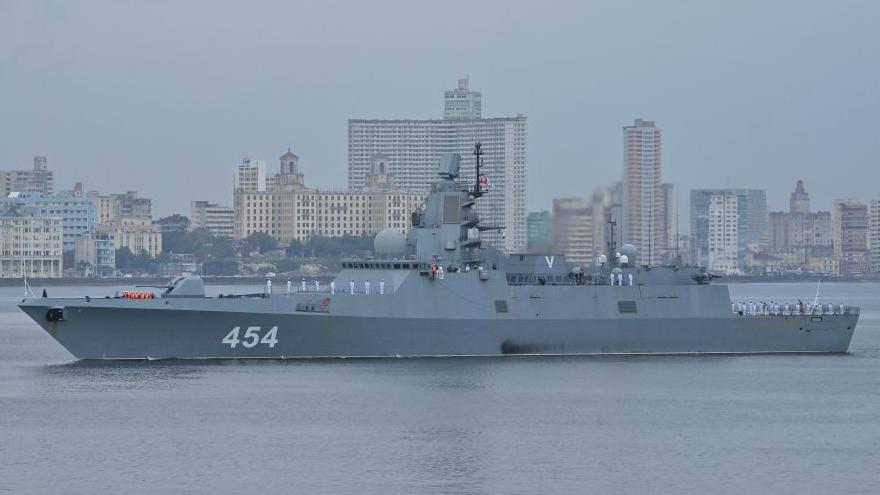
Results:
x,y
288,210
723,241
413,147
874,235
796,235
77,213
752,222
109,207
539,231
462,103
96,255
39,180
250,176
219,220
30,243
645,214
573,229
850,236
136,234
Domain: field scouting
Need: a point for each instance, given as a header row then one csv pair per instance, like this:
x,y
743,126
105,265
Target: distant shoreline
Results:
x,y
251,280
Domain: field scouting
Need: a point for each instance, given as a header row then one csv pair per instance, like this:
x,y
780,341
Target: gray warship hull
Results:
x,y
438,292
502,320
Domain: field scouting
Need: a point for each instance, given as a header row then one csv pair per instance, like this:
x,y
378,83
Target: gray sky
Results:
x,y
167,96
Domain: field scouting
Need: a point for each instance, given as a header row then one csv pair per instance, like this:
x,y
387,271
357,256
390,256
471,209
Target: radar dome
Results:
x,y
389,242
629,250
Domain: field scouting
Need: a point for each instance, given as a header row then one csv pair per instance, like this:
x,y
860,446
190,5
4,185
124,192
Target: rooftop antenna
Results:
x,y
611,247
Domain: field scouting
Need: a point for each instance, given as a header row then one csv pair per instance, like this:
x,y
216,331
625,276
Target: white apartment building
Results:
x,y
250,176
645,214
219,220
30,245
414,146
723,240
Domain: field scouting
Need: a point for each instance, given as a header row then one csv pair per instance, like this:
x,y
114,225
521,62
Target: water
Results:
x,y
714,424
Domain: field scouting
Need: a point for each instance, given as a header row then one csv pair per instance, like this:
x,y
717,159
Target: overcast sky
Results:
x,y
165,97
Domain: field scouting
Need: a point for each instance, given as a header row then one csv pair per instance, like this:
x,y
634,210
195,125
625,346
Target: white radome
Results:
x,y
389,242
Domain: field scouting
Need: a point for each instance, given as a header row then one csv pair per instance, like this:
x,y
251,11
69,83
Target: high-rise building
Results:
x,y
250,176
288,210
850,236
752,221
219,220
38,180
77,213
669,221
413,148
462,103
644,212
723,233
30,242
573,229
539,228
874,234
579,227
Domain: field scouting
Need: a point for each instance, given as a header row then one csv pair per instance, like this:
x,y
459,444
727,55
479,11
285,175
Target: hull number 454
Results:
x,y
251,337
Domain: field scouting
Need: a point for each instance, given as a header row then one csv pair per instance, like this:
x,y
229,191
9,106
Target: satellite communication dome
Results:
x,y
629,250
624,259
389,242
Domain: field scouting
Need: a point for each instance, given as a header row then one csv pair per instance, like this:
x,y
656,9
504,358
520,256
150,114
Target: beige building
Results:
x,y
289,210
219,220
30,245
645,215
38,180
136,234
109,207
578,228
850,236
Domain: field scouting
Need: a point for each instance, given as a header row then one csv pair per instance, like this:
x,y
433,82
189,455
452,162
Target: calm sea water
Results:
x,y
713,424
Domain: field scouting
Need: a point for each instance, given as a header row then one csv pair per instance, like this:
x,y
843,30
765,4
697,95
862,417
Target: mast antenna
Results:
x,y
478,152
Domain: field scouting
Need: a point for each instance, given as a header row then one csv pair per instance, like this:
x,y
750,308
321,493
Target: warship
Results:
x,y
437,291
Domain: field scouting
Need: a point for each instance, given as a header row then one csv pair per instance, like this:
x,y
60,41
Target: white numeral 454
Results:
x,y
251,337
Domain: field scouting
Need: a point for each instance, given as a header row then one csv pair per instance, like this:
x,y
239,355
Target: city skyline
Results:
x,y
740,112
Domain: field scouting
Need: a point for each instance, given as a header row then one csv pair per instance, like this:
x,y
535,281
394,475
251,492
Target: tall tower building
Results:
x,y
752,221
413,147
573,229
723,239
643,208
849,227
800,200
250,176
462,103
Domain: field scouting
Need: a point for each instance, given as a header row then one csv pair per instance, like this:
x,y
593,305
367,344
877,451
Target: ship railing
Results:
x,y
763,308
